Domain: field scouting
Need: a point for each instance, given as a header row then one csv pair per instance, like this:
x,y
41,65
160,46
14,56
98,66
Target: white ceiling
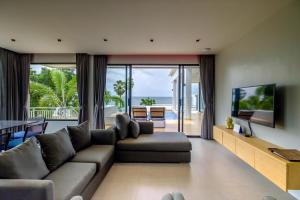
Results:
x,y
129,24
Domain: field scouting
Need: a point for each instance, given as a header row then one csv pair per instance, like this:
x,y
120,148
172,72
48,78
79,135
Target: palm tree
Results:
x,y
120,86
118,101
62,94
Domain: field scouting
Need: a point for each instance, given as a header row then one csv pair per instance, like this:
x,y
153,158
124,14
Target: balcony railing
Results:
x,y
54,112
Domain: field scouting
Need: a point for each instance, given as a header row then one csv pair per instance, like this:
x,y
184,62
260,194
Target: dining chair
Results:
x,y
4,141
30,131
20,134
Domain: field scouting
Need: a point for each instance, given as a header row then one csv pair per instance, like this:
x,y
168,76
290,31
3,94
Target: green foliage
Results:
x,y
107,97
58,88
147,101
120,86
118,101
53,88
262,100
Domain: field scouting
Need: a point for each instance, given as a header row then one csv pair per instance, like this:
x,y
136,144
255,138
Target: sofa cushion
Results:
x,y
57,148
99,154
71,178
23,162
134,129
122,123
80,135
167,141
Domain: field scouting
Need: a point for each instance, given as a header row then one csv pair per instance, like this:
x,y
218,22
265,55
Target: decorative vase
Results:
x,y
229,123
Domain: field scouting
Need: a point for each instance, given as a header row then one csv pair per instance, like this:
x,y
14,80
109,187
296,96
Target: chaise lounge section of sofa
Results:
x,y
166,147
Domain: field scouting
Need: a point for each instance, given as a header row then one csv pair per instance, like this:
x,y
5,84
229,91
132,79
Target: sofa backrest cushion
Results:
x,y
80,136
57,148
25,161
134,129
122,125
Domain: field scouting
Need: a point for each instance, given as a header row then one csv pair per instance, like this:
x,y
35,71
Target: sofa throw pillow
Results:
x,y
122,125
57,148
80,136
134,128
23,162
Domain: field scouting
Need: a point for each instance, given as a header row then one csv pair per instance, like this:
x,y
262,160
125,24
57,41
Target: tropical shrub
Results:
x,y
118,101
53,88
147,101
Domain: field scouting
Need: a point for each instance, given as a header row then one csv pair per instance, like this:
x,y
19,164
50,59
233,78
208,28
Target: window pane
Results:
x,y
53,91
192,101
115,93
155,97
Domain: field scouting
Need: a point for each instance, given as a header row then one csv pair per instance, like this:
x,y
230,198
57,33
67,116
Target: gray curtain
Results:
x,y
14,80
100,66
3,84
207,77
82,73
24,69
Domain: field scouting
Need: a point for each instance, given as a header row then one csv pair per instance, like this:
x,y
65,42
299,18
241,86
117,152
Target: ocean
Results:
x,y
158,100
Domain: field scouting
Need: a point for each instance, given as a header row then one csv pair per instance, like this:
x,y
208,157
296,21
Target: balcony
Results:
x,y
54,113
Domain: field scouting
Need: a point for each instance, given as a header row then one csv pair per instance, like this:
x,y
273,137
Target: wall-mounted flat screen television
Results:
x,y
255,104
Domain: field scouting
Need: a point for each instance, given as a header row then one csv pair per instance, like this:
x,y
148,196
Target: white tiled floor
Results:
x,y
213,174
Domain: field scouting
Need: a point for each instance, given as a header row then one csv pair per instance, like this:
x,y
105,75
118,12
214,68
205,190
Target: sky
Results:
x,y
37,68
147,82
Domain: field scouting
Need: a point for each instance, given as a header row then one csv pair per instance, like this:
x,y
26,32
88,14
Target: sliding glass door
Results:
x,y
168,95
192,100
153,96
116,93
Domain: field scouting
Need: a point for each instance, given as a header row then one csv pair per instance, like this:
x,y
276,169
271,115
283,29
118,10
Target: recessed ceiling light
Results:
x,y
59,40
151,40
198,40
105,39
207,49
13,40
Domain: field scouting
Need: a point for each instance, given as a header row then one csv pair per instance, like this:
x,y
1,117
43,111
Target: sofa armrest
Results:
x,y
21,189
146,127
103,136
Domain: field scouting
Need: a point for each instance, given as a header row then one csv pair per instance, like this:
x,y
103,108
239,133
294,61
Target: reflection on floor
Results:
x,y
191,126
214,174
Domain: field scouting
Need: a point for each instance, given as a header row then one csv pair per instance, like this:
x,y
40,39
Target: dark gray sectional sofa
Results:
x,y
79,176
82,173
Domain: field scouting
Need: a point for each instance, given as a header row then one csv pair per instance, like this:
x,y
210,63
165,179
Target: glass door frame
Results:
x,y
181,97
181,85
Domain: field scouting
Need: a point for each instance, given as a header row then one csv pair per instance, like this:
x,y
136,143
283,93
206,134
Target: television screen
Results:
x,y
255,104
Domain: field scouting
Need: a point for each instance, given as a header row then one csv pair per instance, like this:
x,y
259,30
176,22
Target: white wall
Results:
x,y
153,59
54,58
268,54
